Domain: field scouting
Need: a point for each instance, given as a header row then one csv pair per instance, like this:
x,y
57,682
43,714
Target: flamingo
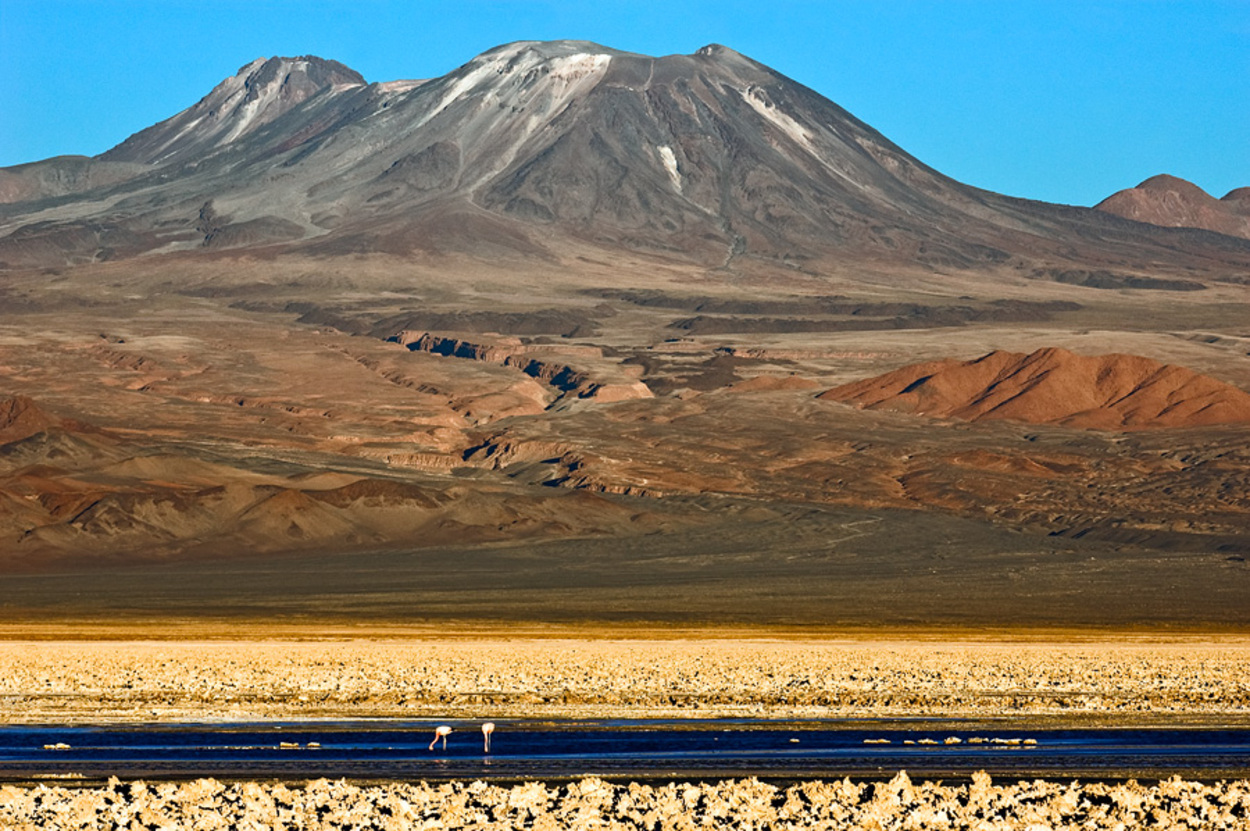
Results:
x,y
440,733
487,729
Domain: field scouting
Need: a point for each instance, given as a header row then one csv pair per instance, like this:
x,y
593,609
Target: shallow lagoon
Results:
x,y
638,749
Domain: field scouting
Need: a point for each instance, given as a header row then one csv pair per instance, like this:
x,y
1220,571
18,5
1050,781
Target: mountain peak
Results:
x,y
260,92
1238,195
1165,182
548,50
716,50
1175,202
707,158
294,75
551,49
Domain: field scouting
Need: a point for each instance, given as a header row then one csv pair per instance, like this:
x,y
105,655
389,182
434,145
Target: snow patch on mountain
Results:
x,y
670,164
760,103
528,71
401,86
247,113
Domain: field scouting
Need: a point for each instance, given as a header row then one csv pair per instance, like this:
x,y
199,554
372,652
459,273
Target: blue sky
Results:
x,y
1046,99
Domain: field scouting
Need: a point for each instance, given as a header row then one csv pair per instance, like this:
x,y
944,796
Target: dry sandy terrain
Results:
x,y
207,434
624,675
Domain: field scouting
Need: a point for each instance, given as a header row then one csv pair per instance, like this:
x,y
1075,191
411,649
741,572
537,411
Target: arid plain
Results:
x,y
179,454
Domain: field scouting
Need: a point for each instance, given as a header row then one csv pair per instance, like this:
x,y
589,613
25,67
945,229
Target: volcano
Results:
x,y
544,151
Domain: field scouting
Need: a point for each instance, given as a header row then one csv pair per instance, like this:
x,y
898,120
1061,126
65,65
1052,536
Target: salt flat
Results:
x,y
625,674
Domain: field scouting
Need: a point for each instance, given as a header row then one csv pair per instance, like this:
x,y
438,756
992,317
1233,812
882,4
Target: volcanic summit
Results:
x,y
545,149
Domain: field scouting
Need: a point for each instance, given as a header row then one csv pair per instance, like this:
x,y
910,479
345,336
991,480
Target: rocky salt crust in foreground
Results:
x,y
69,682
594,803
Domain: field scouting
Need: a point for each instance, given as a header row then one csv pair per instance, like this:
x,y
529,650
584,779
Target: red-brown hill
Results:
x,y
1176,203
1054,386
21,417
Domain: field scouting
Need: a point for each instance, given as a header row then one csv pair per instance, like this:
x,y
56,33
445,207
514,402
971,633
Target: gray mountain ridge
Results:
x,y
536,148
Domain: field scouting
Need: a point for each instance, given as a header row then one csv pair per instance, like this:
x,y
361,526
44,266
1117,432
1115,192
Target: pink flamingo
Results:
x,y
487,729
441,733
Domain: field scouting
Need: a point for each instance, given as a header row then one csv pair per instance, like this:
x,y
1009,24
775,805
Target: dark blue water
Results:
x,y
644,749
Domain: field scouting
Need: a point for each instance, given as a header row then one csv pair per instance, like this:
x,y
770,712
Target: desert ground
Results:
x,y
174,448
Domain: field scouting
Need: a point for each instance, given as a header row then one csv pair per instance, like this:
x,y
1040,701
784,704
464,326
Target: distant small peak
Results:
x,y
1237,195
1166,181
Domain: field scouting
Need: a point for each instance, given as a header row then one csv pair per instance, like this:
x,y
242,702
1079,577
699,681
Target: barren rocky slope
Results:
x,y
1174,202
75,493
1055,386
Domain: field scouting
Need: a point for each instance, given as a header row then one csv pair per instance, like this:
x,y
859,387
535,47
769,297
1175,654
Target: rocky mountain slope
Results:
x,y
260,93
544,150
1176,203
